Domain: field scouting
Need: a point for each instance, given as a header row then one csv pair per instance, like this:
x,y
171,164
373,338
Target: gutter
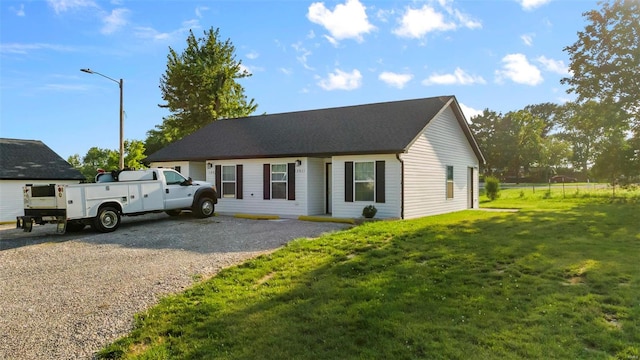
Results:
x,y
401,185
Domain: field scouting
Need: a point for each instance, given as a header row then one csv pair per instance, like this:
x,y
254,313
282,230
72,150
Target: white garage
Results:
x,y
28,162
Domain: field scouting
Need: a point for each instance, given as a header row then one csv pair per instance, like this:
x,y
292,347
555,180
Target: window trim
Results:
x,y
223,182
285,181
366,181
449,183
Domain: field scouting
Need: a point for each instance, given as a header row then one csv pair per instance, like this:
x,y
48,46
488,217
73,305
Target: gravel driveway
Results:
x,y
66,296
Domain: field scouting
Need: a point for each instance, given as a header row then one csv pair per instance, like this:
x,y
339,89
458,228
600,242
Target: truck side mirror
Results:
x,y
187,182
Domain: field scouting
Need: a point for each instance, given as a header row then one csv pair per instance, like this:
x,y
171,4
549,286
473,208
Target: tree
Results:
x,y
199,87
582,126
605,60
484,128
105,159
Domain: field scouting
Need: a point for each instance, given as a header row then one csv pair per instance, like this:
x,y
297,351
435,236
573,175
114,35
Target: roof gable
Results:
x,y
363,129
32,159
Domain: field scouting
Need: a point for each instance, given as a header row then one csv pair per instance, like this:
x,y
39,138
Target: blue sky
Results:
x,y
303,55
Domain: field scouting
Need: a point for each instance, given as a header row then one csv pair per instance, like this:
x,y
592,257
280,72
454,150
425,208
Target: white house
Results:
x,y
409,159
28,162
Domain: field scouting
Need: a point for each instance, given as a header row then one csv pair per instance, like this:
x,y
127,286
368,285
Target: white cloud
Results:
x,y
415,23
26,48
115,21
346,21
286,71
60,6
341,80
517,68
18,11
253,55
527,39
394,79
459,77
469,112
556,66
200,10
151,33
245,70
532,4
302,55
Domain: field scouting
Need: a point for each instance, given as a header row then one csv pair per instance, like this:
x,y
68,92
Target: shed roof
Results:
x,y
389,127
33,160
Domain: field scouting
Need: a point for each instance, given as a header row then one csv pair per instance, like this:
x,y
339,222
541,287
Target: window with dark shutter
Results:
x,y
380,185
291,184
266,181
219,181
238,181
348,181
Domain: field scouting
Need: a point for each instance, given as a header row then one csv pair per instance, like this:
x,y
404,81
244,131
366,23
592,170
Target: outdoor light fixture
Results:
x,y
120,84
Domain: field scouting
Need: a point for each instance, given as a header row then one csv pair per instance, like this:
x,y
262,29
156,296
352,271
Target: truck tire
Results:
x,y
175,212
108,220
204,208
75,226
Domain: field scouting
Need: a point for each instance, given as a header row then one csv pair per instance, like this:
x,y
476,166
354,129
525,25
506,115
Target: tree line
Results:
x,y
595,137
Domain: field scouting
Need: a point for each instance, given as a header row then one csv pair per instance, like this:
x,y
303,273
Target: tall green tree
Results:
x,y
485,130
106,159
605,60
200,86
582,125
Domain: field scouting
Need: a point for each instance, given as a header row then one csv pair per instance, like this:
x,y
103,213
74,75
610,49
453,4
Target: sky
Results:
x,y
500,55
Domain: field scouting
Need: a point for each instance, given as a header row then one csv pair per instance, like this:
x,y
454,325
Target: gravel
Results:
x,y
67,296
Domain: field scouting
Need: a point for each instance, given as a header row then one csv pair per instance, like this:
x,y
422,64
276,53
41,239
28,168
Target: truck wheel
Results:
x,y
75,226
108,220
204,208
173,212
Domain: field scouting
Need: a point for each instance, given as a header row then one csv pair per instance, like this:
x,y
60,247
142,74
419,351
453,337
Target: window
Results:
x,y
173,178
449,182
278,181
177,168
229,181
364,181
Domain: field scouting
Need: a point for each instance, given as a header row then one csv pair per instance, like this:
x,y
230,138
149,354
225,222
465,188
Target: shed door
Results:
x,y
470,185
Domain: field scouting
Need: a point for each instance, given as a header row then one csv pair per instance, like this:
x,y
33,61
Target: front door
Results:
x,y
328,191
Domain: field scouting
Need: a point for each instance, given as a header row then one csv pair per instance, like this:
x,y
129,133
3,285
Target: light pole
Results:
x,y
120,84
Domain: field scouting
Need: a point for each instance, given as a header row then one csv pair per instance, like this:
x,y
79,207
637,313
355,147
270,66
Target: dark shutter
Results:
x,y
380,182
348,181
291,181
266,181
219,181
238,181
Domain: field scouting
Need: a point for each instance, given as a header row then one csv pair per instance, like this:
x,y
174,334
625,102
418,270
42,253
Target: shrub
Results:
x,y
369,211
492,187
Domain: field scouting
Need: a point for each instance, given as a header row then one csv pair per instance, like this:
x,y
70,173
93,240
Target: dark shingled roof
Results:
x,y
33,160
388,128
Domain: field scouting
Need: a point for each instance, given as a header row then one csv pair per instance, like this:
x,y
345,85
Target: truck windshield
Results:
x,y
173,178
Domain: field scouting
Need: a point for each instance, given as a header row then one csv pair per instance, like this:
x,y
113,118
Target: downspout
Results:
x,y
401,185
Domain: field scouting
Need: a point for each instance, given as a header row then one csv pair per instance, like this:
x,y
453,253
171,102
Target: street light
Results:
x,y
120,84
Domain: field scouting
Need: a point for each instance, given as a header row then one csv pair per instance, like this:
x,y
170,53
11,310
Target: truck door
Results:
x,y
177,195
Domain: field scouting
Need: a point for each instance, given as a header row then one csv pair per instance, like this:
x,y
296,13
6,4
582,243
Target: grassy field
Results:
x,y
558,279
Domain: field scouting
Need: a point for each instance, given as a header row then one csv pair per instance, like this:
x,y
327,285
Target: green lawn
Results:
x,y
559,279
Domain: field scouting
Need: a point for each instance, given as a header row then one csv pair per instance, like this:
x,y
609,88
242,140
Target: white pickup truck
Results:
x,y
126,192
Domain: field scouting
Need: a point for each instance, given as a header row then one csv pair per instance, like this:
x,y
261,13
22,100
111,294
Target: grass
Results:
x,y
559,279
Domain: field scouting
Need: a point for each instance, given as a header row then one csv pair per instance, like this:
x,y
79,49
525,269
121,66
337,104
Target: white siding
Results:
x,y
389,209
252,201
11,203
425,163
